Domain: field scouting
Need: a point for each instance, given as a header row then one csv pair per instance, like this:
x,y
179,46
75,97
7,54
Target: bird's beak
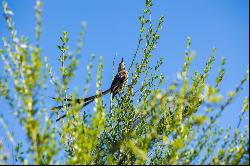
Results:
x,y
122,60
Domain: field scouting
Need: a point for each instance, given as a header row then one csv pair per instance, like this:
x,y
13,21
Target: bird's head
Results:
x,y
121,66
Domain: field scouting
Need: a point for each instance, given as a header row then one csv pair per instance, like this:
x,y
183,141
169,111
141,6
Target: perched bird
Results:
x,y
120,79
117,85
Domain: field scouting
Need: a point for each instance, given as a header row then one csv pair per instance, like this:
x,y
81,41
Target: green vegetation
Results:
x,y
152,124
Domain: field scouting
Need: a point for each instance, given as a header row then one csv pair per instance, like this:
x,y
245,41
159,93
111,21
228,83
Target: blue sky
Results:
x,y
113,28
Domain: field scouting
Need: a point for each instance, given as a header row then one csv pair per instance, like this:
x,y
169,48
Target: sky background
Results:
x,y
113,28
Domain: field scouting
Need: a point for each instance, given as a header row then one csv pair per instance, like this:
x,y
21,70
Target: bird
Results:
x,y
117,85
120,79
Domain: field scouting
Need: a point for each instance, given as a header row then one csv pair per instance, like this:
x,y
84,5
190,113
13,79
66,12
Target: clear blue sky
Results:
x,y
113,27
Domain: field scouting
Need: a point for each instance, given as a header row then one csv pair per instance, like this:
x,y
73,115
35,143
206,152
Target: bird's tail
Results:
x,y
92,98
83,102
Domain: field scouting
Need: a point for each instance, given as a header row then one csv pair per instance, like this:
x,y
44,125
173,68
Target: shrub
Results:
x,y
148,123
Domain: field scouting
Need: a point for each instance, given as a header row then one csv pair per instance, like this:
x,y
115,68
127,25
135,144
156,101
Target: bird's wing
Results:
x,y
117,84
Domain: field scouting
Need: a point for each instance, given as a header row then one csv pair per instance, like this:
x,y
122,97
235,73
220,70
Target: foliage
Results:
x,y
148,123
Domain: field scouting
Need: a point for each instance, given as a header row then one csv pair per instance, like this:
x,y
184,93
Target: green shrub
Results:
x,y
148,123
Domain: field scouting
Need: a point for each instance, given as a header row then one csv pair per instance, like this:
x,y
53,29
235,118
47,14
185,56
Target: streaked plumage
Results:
x,y
120,79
